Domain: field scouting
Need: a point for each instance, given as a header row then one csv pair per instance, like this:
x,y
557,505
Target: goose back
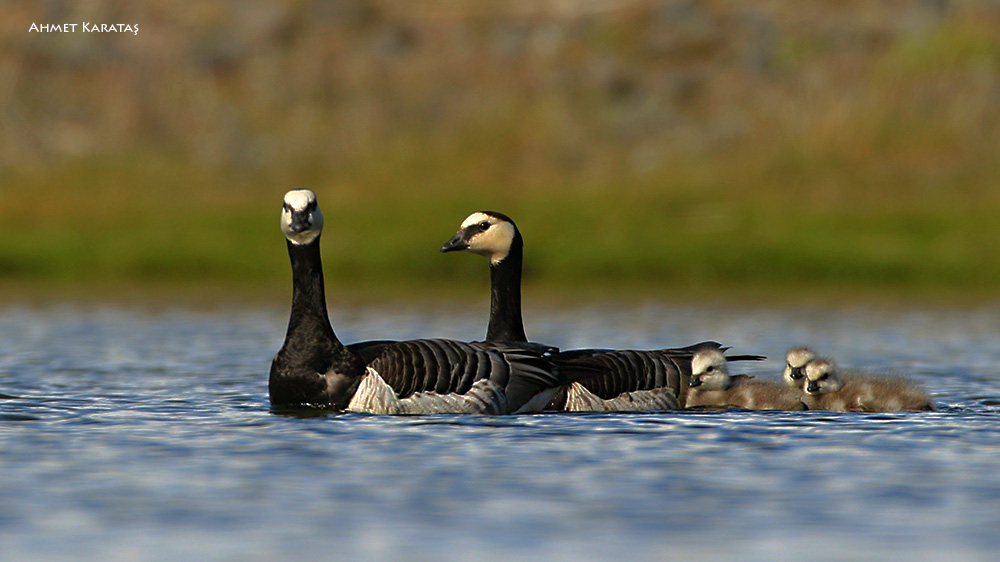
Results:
x,y
450,367
630,371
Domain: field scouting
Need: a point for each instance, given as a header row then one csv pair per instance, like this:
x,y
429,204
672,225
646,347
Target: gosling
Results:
x,y
712,385
826,389
795,361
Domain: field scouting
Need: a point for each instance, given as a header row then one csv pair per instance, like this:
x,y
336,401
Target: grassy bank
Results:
x,y
695,229
664,149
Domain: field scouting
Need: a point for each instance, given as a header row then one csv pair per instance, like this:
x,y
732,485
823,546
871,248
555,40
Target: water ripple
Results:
x,y
148,435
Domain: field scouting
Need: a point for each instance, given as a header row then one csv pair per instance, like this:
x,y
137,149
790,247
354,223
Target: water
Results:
x,y
146,435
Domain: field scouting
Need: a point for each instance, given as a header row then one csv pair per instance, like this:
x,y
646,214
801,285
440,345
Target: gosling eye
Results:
x,y
484,225
709,369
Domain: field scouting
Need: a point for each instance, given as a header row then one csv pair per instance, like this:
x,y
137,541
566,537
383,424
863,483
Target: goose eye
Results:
x,y
710,369
484,225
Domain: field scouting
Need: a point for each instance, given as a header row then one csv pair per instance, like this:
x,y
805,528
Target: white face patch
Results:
x,y
475,218
300,199
301,218
494,242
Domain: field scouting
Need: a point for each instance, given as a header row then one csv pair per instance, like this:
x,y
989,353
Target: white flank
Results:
x,y
375,396
579,399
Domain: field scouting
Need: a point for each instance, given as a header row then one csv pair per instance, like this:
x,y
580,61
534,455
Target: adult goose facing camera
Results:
x,y
314,369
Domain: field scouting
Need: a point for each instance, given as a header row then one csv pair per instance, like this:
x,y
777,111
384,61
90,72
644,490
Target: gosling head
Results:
x,y
821,377
486,233
709,370
795,362
301,219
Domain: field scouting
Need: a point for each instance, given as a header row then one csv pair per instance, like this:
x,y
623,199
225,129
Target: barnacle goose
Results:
x,y
711,385
314,369
626,379
825,388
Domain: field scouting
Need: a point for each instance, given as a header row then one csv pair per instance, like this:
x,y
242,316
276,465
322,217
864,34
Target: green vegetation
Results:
x,y
691,230
644,153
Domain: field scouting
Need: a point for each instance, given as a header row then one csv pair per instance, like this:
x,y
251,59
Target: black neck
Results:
x,y
309,316
505,303
312,367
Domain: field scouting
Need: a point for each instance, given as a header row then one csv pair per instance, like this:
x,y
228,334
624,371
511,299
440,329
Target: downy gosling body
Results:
x,y
825,388
711,385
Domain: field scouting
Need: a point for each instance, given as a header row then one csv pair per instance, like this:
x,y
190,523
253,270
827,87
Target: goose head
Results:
x,y
795,361
486,233
301,219
709,370
821,377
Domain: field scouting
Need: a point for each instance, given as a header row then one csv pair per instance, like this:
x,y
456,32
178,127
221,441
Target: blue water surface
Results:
x,y
146,434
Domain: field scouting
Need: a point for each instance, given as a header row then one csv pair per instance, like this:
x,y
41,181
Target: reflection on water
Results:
x,y
136,435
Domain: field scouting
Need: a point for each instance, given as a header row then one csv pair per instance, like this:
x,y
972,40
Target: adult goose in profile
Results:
x,y
314,369
626,379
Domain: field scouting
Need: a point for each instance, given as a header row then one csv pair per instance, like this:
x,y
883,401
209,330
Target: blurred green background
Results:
x,y
780,150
